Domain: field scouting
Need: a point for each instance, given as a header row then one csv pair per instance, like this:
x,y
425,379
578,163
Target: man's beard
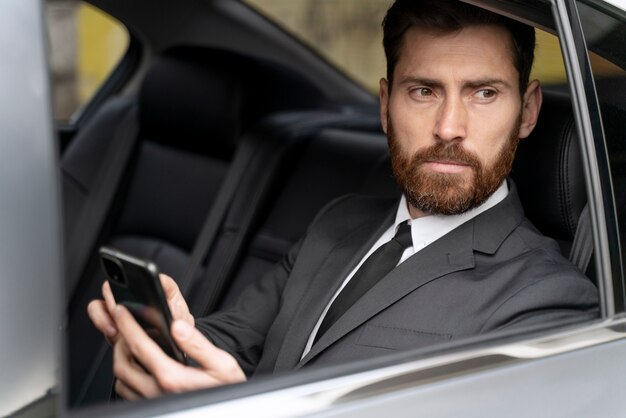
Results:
x,y
449,193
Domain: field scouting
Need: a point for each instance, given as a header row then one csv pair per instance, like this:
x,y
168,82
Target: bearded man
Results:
x,y
454,258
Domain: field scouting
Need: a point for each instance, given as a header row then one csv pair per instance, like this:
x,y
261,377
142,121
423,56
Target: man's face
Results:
x,y
454,115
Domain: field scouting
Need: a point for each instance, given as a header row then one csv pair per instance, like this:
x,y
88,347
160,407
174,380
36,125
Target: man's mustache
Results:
x,y
451,153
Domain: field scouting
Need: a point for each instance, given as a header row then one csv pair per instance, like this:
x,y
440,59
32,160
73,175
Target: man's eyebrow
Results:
x,y
486,82
429,82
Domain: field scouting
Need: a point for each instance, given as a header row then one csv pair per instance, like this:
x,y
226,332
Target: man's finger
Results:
x,y
168,374
141,346
132,375
100,317
108,297
170,288
175,299
213,360
125,392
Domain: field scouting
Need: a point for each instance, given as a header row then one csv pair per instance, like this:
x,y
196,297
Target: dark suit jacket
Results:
x,y
493,272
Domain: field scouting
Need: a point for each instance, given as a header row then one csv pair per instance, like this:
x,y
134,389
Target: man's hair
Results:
x,y
451,16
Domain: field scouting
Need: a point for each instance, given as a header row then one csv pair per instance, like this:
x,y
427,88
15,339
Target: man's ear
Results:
x,y
384,102
530,108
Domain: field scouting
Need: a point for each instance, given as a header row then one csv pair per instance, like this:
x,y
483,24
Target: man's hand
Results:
x,y
101,311
142,369
160,373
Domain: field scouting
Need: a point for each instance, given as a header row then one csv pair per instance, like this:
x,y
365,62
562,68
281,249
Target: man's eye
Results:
x,y
422,92
486,94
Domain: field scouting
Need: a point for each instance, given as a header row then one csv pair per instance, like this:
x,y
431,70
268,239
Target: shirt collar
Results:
x,y
429,228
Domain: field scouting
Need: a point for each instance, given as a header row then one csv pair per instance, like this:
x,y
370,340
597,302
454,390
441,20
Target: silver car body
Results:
x,y
31,245
575,372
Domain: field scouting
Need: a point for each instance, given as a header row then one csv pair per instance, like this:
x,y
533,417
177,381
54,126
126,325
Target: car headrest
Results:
x,y
548,171
193,102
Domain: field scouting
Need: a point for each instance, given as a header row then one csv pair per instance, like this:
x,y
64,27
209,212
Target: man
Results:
x,y
456,101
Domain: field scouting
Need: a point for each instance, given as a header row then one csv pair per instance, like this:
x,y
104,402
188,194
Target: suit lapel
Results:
x,y
446,255
341,259
453,252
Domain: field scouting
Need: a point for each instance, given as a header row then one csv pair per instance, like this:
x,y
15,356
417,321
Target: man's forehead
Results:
x,y
483,50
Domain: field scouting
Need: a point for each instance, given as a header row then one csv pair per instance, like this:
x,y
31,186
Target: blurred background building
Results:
x,y
85,46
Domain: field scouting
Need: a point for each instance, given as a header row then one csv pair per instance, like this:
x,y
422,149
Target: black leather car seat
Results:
x,y
334,162
549,174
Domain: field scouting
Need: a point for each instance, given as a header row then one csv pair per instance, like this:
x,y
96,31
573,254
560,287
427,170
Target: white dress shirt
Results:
x,y
424,231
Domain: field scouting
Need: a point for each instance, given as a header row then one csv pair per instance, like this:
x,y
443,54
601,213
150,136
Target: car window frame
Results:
x,y
602,143
607,253
31,253
586,109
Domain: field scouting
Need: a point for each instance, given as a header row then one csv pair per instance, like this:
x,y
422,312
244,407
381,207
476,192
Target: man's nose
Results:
x,y
451,123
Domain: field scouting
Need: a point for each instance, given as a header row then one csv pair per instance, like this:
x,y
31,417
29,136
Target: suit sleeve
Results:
x,y
556,298
241,330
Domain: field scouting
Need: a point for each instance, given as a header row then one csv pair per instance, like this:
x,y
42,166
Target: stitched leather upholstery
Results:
x,y
549,174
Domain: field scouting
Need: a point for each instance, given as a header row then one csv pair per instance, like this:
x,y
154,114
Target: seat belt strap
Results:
x,y
213,222
582,247
91,218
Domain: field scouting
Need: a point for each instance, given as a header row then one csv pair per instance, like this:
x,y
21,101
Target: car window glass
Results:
x,y
548,66
85,47
348,34
605,39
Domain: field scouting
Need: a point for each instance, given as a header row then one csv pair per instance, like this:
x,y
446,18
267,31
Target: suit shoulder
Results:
x,y
526,239
354,208
542,284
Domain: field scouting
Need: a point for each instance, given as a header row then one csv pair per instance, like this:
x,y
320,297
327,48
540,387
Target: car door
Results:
x,y
30,233
561,372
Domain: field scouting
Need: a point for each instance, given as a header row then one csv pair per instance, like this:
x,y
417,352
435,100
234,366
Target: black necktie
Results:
x,y
377,265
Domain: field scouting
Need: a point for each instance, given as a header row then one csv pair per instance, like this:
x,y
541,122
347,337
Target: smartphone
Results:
x,y
135,284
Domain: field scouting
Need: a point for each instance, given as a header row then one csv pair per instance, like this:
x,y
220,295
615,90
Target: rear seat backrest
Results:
x,y
194,105
190,121
190,117
336,161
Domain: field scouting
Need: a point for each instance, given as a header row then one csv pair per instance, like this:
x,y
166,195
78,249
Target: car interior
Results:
x,y
230,155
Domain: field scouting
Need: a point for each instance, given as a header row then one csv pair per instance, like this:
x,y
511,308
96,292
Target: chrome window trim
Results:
x,y
595,162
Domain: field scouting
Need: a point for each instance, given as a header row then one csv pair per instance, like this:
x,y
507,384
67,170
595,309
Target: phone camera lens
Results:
x,y
114,271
